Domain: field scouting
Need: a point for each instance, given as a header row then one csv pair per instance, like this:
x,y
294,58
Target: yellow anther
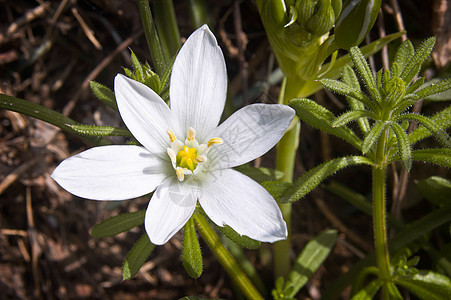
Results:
x,y
191,134
200,159
186,158
213,141
171,135
180,174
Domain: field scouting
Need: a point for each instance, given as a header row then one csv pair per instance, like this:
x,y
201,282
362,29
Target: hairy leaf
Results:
x,y
404,54
441,157
373,136
276,188
368,292
136,257
93,130
352,115
104,94
344,89
438,132
427,285
312,178
441,119
433,88
191,254
414,64
405,152
118,224
363,68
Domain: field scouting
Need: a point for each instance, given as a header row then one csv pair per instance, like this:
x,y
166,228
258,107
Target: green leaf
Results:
x,y
415,86
393,292
191,254
47,115
104,94
312,178
138,67
369,291
363,68
260,174
319,117
276,188
93,130
136,257
436,189
405,152
118,224
427,285
441,119
373,136
440,156
345,89
352,115
438,132
404,237
404,54
434,87
348,76
241,240
355,21
414,64
310,259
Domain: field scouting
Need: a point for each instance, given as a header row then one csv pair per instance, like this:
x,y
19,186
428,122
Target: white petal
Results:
x,y
170,208
111,173
249,133
199,84
146,115
231,198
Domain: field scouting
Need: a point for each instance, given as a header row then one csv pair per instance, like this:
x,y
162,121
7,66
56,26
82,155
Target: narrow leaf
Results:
x,y
393,292
373,136
191,254
276,188
441,157
93,130
405,152
138,67
368,292
441,119
348,76
363,68
436,190
241,240
415,86
427,285
260,174
433,88
312,178
344,89
404,54
136,257
118,224
414,65
319,117
104,94
438,132
310,259
352,115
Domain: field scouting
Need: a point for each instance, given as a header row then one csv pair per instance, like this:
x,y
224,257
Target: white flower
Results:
x,y
185,156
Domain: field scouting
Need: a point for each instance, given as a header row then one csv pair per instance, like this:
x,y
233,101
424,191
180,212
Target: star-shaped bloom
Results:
x,y
185,156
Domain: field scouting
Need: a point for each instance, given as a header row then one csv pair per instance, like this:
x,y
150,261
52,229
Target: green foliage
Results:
x,y
100,130
241,240
191,254
310,259
136,257
427,285
260,174
104,94
118,224
436,189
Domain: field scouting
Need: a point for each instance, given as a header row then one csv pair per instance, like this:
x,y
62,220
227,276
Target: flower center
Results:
x,y
188,157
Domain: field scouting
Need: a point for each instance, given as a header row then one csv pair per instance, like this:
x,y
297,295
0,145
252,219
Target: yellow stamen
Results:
x,y
172,154
171,135
200,159
213,141
191,134
180,174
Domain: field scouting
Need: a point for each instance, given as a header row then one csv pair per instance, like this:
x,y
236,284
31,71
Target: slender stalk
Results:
x,y
285,159
198,13
153,41
379,213
166,22
225,258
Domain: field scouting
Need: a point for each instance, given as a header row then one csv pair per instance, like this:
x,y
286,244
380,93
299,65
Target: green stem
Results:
x,y
153,41
47,115
166,22
225,258
285,159
379,213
